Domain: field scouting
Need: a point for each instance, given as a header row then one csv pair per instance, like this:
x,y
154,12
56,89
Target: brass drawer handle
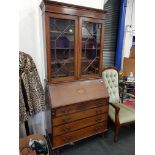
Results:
x,y
99,111
66,129
66,139
98,119
65,120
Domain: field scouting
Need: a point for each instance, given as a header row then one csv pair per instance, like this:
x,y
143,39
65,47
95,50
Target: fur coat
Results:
x,y
31,93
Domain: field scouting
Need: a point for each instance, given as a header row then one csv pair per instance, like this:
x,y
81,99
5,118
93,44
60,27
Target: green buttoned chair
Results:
x,y
119,113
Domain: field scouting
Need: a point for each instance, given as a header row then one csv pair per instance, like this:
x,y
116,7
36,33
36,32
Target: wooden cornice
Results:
x,y
58,7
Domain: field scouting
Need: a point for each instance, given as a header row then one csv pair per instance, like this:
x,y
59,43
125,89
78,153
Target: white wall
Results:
x,y
30,32
129,27
30,41
87,3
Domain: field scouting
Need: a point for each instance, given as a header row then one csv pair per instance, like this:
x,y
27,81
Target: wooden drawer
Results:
x,y
78,107
79,124
79,115
79,134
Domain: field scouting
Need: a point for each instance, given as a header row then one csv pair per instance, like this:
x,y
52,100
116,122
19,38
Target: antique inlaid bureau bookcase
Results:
x,y
74,39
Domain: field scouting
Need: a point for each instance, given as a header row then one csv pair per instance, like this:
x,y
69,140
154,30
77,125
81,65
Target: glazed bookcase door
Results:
x,y
62,48
91,46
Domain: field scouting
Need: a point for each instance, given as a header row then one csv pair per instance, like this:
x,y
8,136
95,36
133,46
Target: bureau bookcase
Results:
x,y
74,38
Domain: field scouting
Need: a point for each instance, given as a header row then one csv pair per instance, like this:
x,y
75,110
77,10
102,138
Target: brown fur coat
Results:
x,y
31,93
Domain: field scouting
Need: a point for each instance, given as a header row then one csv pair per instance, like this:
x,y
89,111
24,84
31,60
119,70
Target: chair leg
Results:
x,y
117,128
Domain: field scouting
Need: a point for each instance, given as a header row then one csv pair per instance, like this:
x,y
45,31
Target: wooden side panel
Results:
x,y
101,50
48,56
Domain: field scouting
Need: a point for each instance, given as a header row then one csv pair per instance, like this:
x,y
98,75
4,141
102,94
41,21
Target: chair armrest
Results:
x,y
117,109
115,106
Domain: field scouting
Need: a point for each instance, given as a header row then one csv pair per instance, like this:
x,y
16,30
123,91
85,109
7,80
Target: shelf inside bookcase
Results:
x,y
63,48
72,33
90,48
71,60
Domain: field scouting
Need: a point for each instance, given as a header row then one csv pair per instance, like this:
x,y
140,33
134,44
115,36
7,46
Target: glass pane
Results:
x,y
90,47
62,47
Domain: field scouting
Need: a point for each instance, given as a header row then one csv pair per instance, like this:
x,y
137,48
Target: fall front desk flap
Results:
x,y
78,91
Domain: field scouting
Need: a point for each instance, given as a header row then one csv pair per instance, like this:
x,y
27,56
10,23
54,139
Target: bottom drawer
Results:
x,y
79,134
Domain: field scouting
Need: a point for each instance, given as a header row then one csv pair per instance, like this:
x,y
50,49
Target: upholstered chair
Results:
x,y
119,113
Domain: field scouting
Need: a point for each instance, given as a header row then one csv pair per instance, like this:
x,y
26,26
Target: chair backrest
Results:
x,y
110,77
